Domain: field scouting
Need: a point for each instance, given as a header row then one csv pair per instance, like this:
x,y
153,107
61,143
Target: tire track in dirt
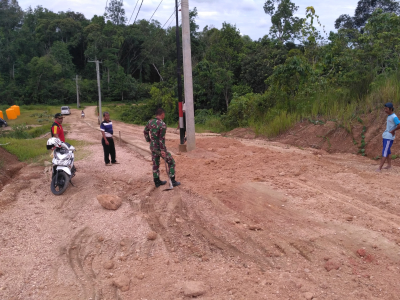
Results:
x,y
162,220
76,263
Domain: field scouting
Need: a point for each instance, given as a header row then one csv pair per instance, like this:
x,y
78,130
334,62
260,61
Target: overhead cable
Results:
x,y
133,11
155,11
138,12
154,45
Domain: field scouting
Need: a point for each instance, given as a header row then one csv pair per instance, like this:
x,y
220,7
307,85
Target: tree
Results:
x,y
344,22
223,80
365,8
285,27
364,11
10,20
260,61
59,51
116,12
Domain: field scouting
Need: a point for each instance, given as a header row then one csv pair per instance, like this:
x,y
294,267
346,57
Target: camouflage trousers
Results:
x,y
155,157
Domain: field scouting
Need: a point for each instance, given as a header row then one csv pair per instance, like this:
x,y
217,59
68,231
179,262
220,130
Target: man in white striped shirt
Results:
x,y
107,141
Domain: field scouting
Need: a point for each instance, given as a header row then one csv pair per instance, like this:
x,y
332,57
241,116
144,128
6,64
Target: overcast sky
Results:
x,y
248,15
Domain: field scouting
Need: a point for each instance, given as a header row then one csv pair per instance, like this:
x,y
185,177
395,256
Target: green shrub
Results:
x,y
201,115
275,125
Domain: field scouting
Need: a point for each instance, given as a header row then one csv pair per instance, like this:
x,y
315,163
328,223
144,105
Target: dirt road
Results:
x,y
251,220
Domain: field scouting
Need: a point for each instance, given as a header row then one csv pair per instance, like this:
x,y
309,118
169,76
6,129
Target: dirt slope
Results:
x,y
252,220
335,139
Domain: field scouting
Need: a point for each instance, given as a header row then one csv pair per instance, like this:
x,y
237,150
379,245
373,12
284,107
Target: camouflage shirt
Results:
x,y
154,133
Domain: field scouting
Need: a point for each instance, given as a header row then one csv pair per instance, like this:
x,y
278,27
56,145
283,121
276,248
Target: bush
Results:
x,y
19,132
201,116
246,109
25,132
141,113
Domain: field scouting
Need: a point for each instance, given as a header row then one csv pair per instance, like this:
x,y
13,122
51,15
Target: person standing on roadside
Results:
x,y
392,124
57,130
107,140
154,133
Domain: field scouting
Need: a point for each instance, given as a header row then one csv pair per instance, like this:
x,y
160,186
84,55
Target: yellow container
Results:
x,y
11,114
1,114
17,110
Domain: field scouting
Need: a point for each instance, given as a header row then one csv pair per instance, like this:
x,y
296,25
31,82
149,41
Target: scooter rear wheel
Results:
x,y
59,183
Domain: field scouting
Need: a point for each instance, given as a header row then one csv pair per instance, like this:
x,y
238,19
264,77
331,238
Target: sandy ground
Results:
x,y
251,220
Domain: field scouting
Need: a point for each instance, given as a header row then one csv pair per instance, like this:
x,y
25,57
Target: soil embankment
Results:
x,y
365,136
9,167
252,220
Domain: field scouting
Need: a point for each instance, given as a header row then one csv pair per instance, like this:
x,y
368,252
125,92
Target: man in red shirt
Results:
x,y
56,129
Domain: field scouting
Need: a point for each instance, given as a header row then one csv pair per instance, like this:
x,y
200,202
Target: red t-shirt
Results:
x,y
58,130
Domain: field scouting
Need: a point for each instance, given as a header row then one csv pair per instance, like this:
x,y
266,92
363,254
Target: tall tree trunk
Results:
x,y
226,98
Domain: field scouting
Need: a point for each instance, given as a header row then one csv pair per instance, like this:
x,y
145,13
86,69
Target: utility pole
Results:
x,y
98,86
187,73
182,146
77,91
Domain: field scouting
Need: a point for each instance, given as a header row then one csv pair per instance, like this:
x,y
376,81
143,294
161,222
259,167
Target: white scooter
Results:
x,y
63,165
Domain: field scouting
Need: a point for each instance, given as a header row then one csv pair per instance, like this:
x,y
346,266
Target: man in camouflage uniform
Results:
x,y
154,133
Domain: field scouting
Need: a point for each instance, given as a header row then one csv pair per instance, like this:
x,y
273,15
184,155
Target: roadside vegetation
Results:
x,y
297,72
22,140
32,150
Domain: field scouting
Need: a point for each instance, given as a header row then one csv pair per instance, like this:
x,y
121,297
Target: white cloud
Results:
x,y
248,15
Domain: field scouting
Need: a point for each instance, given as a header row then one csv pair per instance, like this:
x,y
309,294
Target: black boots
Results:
x,y
158,182
174,182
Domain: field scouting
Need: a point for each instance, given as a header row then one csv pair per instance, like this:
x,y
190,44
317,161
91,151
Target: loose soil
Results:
x,y
253,219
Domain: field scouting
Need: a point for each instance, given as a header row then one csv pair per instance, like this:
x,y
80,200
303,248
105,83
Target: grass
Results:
x,y
32,114
34,150
278,125
114,110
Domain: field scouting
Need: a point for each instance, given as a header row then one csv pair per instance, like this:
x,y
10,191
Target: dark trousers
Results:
x,y
109,150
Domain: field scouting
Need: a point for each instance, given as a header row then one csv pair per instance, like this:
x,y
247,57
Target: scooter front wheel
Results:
x,y
59,183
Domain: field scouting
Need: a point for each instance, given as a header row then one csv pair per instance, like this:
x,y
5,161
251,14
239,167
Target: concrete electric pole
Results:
x,y
187,73
98,86
182,146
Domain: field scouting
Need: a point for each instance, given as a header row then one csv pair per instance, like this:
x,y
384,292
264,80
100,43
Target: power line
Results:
x,y
162,28
171,16
133,11
155,10
138,12
154,45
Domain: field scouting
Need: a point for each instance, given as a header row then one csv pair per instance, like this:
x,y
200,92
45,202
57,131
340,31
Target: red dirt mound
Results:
x,y
336,139
9,167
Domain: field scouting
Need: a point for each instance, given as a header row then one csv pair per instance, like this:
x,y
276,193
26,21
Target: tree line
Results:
x,y
291,69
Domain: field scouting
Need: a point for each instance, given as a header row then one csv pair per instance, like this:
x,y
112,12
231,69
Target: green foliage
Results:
x,y
24,149
285,26
141,113
363,143
116,12
266,84
31,149
22,131
275,123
